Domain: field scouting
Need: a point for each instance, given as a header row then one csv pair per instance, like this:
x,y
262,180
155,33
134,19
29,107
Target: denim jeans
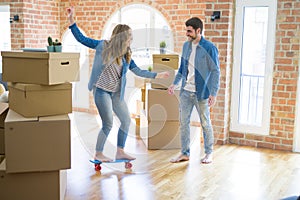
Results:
x,y
187,102
107,103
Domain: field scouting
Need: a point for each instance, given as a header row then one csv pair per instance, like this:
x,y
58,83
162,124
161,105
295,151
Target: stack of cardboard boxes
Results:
x,y
161,116
37,126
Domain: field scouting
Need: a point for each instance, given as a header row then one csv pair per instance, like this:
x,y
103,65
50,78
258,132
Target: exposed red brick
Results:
x,y
265,145
254,137
37,21
248,143
235,135
283,147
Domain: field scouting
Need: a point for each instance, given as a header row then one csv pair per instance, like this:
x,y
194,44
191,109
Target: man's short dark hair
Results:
x,y
195,22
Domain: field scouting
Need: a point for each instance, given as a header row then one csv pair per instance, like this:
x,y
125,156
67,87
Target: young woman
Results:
x,y
108,80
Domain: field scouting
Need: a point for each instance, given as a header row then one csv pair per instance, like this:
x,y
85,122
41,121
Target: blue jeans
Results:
x,y
107,103
187,102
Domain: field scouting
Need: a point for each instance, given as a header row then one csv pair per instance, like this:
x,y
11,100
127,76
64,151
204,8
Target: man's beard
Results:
x,y
192,38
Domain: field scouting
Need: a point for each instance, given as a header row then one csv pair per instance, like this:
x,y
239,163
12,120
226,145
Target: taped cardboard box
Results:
x,y
34,186
161,106
40,67
31,100
37,143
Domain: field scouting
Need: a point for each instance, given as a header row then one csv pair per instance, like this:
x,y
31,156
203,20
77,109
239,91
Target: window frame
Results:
x,y
236,84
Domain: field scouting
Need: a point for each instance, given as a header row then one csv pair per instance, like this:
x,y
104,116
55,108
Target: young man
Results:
x,y
199,73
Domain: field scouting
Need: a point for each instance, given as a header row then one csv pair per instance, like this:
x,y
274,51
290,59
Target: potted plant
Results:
x,y
50,47
54,46
162,47
57,46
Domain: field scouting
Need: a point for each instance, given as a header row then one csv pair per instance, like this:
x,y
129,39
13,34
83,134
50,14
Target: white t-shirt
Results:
x,y
190,82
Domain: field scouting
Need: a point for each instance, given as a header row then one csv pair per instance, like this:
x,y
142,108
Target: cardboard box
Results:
x,y
143,127
31,100
162,106
143,98
165,61
40,67
139,106
37,144
163,135
3,113
32,186
163,83
140,82
2,142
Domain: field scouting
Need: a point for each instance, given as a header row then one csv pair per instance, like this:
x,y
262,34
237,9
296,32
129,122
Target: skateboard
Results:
x,y
97,163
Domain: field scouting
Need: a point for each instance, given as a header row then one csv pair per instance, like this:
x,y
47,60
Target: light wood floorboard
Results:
x,y
237,173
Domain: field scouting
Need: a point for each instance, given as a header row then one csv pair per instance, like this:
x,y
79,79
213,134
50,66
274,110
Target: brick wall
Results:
x,y
38,20
91,15
220,33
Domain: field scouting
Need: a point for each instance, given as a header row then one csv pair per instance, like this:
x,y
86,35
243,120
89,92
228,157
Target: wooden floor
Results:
x,y
237,173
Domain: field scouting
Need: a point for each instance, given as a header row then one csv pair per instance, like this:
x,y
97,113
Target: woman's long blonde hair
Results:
x,y
117,47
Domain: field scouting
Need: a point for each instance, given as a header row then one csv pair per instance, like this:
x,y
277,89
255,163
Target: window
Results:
x,y
148,31
5,43
253,65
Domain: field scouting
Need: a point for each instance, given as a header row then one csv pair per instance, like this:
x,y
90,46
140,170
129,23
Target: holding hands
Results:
x,y
163,74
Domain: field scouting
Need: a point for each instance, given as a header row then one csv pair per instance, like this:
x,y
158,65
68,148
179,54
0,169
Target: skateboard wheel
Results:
x,y
97,167
128,165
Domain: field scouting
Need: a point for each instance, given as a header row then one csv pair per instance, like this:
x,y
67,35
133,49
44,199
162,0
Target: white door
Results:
x,y
296,145
253,64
